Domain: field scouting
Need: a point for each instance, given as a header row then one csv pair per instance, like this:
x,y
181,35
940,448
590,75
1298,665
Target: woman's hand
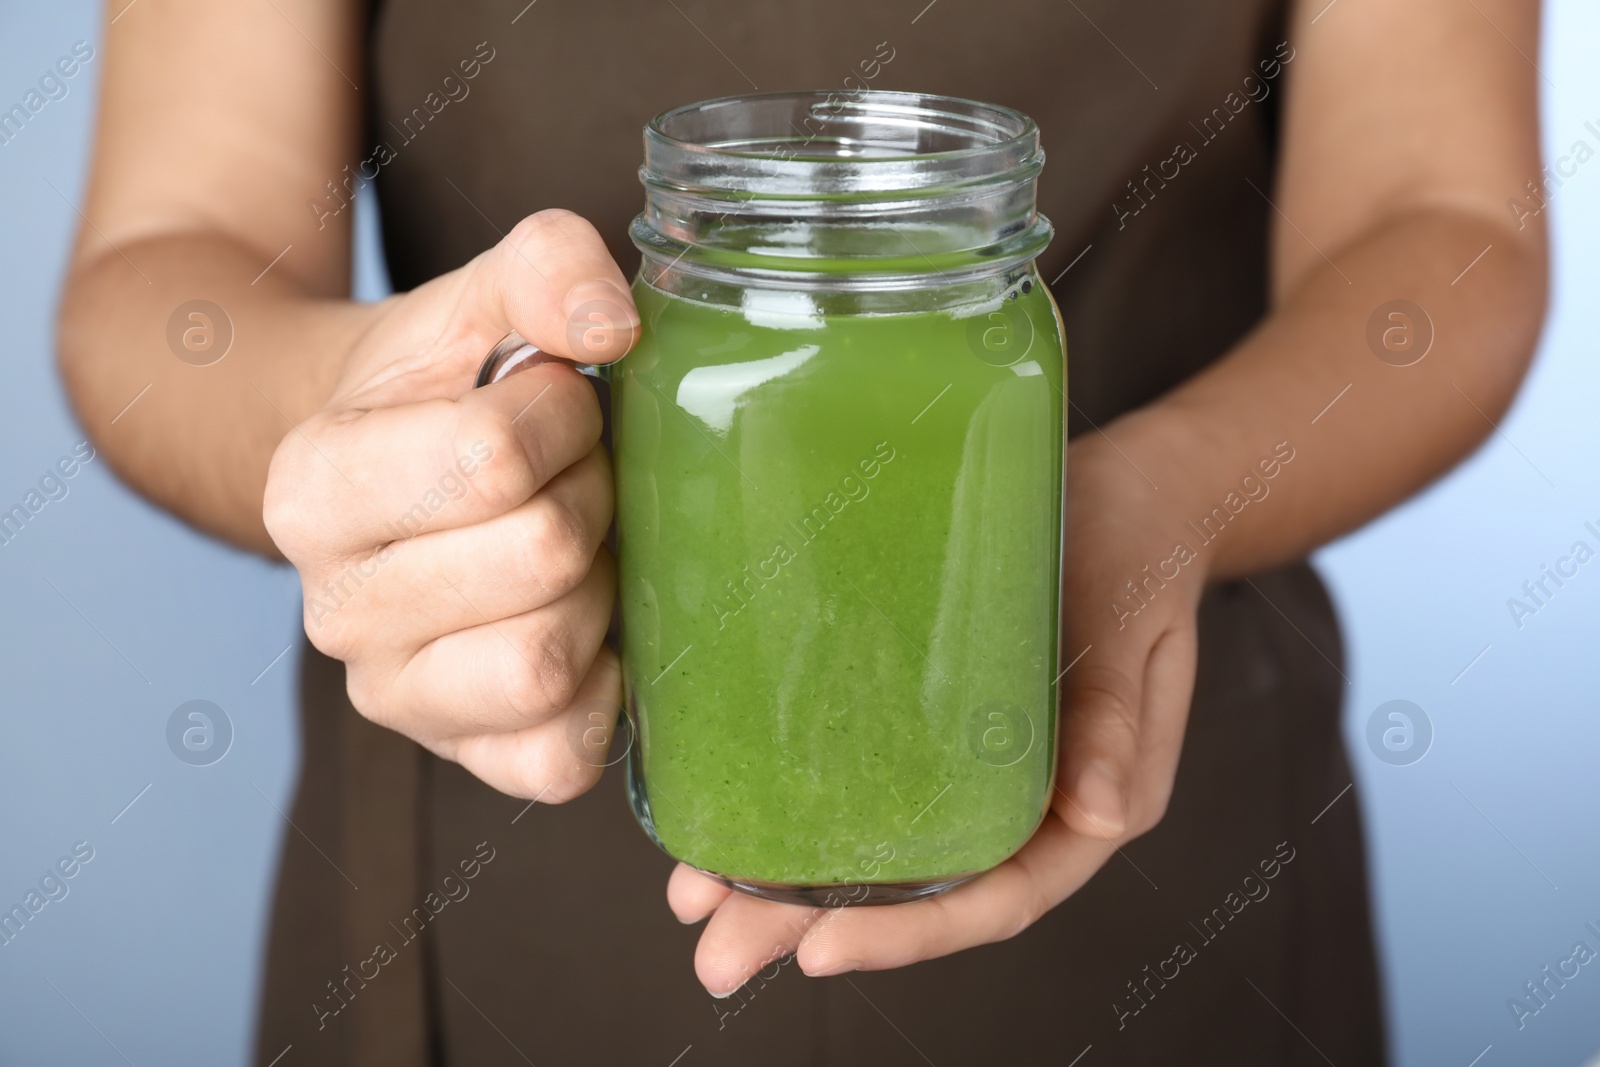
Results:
x,y
449,541
1125,703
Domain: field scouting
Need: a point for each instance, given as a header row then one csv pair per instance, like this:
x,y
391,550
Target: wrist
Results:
x,y
348,328
1128,544
1198,489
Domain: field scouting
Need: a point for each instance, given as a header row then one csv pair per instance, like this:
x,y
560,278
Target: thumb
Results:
x,y
1122,728
1100,731
551,280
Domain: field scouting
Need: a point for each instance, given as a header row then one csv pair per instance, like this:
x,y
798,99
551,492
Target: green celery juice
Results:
x,y
839,540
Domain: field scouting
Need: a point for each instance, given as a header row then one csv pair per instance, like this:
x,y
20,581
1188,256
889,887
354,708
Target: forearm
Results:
x,y
194,439
1389,430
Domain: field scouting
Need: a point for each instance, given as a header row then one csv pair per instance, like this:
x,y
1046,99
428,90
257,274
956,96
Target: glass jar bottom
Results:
x,y
841,895
831,895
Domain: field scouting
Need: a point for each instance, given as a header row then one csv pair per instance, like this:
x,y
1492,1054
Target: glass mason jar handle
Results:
x,y
513,351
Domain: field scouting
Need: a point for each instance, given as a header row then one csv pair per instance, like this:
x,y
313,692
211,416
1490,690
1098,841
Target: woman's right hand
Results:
x,y
448,539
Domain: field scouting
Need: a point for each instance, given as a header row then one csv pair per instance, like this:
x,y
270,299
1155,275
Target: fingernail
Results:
x,y
1099,794
842,967
724,996
609,303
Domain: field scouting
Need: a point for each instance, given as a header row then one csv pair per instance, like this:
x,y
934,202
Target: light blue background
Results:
x,y
1485,857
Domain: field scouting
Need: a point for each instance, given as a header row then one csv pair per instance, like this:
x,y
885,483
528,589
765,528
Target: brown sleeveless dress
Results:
x,y
560,949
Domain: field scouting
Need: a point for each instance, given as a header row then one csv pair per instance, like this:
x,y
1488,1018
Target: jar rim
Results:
x,y
1018,128
875,189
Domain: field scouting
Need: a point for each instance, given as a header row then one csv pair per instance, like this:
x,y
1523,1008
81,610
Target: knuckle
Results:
x,y
277,503
542,680
327,634
1105,682
562,776
292,520
555,548
329,629
1107,697
559,672
539,233
522,691
542,226
286,520
1148,817
502,477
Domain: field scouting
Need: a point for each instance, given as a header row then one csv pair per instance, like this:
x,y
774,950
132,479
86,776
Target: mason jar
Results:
x,y
839,459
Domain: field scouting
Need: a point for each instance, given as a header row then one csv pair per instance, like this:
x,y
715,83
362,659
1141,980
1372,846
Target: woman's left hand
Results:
x,y
1125,704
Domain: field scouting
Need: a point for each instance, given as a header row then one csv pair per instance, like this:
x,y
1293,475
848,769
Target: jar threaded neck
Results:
x,y
872,191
